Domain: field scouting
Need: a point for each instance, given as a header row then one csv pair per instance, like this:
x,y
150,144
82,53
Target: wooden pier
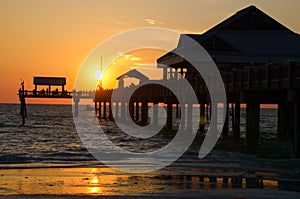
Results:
x,y
271,84
48,93
253,53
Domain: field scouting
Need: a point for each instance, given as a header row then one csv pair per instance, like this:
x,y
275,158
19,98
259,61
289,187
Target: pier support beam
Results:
x,y
131,109
117,110
96,109
169,116
177,111
207,111
237,120
123,110
202,118
137,111
104,110
182,114
252,125
226,123
76,101
100,110
144,112
155,113
110,115
189,124
282,120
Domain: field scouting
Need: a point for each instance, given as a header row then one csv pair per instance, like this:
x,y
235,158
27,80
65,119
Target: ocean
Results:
x,y
49,135
49,139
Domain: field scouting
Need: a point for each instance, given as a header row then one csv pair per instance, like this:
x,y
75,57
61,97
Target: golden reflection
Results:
x,y
94,169
94,190
95,180
270,184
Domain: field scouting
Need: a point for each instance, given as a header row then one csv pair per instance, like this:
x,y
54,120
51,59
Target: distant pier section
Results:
x,y
47,92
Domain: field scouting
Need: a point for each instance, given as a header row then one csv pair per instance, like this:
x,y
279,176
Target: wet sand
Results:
x,y
108,183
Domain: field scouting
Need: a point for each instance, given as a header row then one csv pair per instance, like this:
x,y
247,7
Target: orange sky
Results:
x,y
53,37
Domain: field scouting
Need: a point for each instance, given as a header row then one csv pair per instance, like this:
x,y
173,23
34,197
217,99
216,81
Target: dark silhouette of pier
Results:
x,y
258,59
48,93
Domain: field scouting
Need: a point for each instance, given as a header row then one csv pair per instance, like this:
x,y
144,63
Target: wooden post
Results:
x,y
237,110
202,118
104,109
137,111
189,125
177,111
165,73
131,109
96,109
282,119
110,115
76,101
144,112
117,110
291,74
226,123
169,116
182,108
252,125
23,111
100,110
123,110
155,113
232,116
207,111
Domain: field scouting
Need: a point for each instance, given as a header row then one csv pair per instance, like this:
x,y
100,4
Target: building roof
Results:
x,y
249,36
56,81
135,74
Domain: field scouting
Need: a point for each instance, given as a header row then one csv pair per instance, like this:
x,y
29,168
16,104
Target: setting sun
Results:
x,y
98,75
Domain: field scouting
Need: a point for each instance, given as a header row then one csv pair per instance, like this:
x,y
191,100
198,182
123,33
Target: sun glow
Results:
x,y
98,75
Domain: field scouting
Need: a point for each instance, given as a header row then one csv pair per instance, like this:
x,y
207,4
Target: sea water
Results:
x,y
49,135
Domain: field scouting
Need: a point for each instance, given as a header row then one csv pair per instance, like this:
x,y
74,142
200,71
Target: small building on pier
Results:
x,y
249,38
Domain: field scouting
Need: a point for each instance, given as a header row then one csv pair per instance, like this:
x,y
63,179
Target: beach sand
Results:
x,y
108,183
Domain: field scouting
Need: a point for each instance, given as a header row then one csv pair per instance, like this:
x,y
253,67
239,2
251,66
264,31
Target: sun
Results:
x,y
98,75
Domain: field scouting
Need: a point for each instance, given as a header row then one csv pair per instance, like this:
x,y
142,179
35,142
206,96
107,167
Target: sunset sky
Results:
x,y
53,37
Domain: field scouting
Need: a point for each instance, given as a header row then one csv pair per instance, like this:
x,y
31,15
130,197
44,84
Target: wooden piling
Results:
x,y
226,122
169,116
104,109
237,111
297,129
137,111
189,125
282,120
110,115
252,125
123,110
144,112
76,102
100,110
155,113
117,110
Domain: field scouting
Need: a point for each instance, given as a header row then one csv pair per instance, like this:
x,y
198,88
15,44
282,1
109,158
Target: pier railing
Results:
x,y
58,94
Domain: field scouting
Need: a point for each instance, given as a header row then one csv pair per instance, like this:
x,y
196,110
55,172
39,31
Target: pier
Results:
x,y
48,93
258,59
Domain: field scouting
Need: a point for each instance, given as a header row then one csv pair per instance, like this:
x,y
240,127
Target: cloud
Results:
x,y
132,57
152,21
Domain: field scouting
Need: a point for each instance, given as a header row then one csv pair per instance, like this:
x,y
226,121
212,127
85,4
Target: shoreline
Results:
x,y
90,182
81,183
